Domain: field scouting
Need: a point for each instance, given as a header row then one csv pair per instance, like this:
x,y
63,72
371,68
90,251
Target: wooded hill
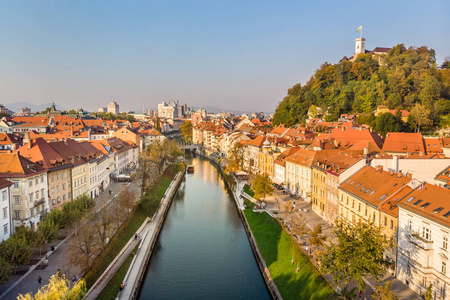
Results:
x,y
402,79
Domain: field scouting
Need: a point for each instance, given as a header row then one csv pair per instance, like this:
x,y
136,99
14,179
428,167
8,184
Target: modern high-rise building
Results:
x,y
113,107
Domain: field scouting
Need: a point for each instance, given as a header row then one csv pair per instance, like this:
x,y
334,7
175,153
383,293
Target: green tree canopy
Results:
x,y
399,79
358,252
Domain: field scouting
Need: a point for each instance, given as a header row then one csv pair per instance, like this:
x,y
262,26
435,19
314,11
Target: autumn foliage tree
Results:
x,y
262,186
58,288
358,252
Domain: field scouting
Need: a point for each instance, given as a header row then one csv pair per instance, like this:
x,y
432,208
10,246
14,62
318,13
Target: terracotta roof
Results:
x,y
444,176
281,159
258,141
40,152
10,139
381,49
373,185
34,120
390,207
430,201
67,152
433,145
5,183
403,142
15,165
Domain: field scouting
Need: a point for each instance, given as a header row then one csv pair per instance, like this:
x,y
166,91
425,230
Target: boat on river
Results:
x,y
190,169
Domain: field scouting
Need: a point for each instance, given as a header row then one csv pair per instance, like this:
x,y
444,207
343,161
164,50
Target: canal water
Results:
x,y
203,251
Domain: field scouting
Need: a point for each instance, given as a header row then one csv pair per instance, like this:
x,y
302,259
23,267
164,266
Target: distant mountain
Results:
x,y
17,106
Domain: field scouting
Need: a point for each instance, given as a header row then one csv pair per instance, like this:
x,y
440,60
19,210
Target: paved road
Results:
x,y
56,260
279,201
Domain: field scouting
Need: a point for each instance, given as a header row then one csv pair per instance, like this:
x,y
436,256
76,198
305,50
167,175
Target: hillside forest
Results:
x,y
404,78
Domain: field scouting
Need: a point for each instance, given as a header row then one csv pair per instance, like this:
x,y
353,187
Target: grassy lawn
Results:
x,y
112,288
127,230
277,247
248,190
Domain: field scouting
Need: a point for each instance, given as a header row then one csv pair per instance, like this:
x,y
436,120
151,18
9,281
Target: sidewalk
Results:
x,y
56,260
304,209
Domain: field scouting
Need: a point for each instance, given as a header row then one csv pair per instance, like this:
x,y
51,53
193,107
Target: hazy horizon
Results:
x,y
234,55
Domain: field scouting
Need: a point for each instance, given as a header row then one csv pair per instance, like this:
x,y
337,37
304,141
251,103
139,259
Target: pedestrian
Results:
x,y
121,287
135,236
39,279
360,294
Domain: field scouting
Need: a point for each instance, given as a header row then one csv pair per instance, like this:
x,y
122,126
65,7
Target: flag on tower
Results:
x,y
359,28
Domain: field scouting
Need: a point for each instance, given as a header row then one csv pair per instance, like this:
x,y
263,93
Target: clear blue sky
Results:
x,y
240,55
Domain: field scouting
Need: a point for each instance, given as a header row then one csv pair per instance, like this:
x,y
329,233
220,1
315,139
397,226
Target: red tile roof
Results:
x,y
403,142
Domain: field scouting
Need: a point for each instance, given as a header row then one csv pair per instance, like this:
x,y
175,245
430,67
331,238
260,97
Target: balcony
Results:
x,y
421,243
39,202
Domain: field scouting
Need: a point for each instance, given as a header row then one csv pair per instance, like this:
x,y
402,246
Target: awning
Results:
x,y
277,181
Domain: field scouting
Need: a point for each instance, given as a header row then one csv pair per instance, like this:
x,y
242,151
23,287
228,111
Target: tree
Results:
x,y
387,122
262,186
58,288
420,116
83,246
236,157
384,293
102,219
5,270
429,293
358,252
127,198
47,231
158,124
317,238
186,131
15,250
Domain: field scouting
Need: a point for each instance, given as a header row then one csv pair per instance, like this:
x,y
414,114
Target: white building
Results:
x,y
113,107
29,194
423,240
5,206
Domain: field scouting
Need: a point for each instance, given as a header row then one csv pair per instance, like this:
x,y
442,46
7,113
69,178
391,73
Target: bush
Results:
x,y
71,211
248,190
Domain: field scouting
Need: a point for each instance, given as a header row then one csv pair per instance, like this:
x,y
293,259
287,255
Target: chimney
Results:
x,y
400,174
379,168
421,153
343,129
408,175
392,172
30,144
360,128
366,151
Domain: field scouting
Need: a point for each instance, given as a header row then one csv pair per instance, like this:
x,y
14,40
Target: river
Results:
x,y
203,251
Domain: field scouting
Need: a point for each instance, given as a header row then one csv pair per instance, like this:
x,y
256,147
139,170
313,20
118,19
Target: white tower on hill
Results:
x,y
360,46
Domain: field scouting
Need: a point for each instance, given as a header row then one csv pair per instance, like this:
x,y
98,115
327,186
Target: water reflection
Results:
x,y
203,251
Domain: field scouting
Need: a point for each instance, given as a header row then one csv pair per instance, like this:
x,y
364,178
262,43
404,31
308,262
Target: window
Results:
x,y
5,229
17,214
5,213
31,196
410,224
58,199
37,195
4,196
53,190
36,181
42,193
53,178
16,184
16,199
37,209
359,207
42,179
64,186
444,268
30,183
445,242
385,221
32,211
353,203
426,233
392,224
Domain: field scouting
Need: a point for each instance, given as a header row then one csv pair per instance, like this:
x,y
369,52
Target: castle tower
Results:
x,y
360,46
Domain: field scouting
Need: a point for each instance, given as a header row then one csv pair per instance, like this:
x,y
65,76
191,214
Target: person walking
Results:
x,y
39,279
135,236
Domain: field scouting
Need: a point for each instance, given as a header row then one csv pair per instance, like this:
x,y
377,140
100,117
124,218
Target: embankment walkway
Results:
x,y
147,236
